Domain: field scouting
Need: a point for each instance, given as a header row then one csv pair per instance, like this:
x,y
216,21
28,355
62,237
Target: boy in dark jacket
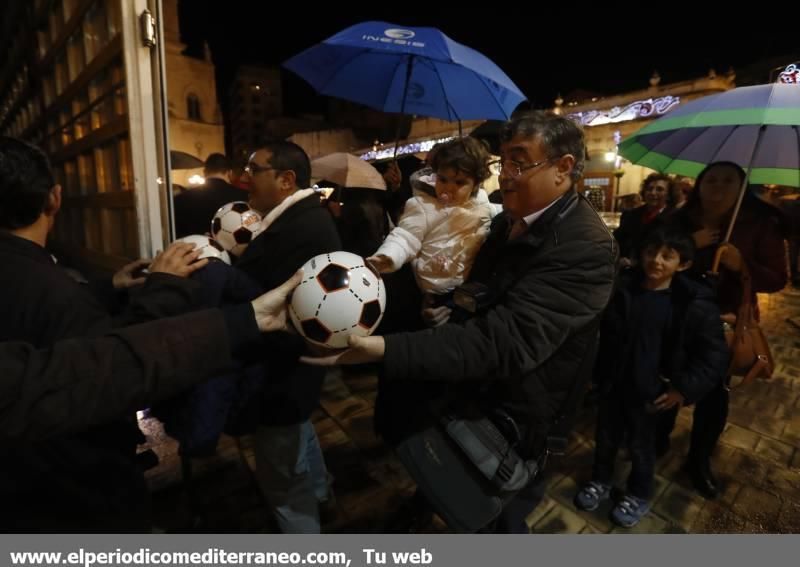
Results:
x,y
661,346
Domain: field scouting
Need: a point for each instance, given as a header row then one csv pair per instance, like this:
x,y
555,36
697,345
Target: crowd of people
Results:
x,y
560,305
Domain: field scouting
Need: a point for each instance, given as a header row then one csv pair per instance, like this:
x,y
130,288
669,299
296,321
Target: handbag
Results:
x,y
467,469
751,357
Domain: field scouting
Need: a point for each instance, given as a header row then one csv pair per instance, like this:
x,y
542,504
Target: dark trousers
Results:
x,y
710,416
618,421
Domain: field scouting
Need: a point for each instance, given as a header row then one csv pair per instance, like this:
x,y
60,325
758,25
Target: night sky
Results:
x,y
603,54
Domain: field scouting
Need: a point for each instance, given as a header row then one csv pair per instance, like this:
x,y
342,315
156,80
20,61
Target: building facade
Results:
x,y
82,79
63,88
195,120
609,120
255,98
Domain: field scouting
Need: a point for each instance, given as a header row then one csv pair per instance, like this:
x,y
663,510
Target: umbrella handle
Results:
x,y
718,258
724,245
737,208
409,69
745,181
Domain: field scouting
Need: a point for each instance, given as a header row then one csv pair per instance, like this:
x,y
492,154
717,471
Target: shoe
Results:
x,y
702,479
629,511
591,495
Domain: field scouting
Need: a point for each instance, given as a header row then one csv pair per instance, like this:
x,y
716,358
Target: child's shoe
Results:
x,y
591,495
629,511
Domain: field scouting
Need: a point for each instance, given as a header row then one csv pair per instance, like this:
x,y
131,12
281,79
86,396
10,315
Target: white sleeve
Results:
x,y
492,209
405,240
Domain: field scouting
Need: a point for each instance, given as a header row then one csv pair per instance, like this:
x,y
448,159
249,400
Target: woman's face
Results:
x,y
655,194
719,188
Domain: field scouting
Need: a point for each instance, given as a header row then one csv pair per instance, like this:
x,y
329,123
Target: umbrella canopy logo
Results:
x,y
416,90
395,36
399,34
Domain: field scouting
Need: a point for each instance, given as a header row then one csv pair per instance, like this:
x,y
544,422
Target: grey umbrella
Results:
x,y
182,160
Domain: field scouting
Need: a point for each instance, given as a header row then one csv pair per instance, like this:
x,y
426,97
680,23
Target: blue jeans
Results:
x,y
291,474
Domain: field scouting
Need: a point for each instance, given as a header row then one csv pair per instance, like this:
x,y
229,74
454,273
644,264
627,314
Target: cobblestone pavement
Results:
x,y
757,463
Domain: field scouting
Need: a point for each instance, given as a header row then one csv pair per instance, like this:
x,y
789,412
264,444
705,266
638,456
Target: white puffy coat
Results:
x,y
440,241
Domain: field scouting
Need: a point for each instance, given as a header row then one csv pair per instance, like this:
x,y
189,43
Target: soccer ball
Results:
x,y
341,295
234,226
209,248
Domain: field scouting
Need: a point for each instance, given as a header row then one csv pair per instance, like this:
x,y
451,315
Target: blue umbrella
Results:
x,y
408,71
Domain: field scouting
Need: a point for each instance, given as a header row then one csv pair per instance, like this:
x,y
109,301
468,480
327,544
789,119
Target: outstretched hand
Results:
x,y
127,276
179,259
393,176
361,350
381,263
270,308
669,400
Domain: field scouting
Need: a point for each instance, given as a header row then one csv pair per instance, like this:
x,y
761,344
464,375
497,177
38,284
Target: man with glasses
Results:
x,y
546,271
289,464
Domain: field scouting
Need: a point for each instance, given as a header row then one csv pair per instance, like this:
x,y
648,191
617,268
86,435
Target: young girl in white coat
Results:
x,y
440,232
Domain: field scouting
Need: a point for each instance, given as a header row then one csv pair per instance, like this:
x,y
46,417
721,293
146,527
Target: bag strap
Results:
x,y
745,311
761,364
744,317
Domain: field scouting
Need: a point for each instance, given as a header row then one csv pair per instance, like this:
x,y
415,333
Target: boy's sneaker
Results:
x,y
591,495
629,511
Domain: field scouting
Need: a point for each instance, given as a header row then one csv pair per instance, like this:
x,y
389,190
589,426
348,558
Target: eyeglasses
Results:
x,y
512,168
254,169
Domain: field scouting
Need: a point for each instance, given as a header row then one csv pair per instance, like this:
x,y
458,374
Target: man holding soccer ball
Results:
x,y
536,292
295,227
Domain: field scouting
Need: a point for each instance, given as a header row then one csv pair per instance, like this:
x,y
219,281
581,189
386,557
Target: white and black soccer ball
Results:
x,y
209,248
235,225
341,295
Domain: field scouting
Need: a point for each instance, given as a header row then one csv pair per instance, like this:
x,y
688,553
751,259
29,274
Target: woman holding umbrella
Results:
x,y
756,244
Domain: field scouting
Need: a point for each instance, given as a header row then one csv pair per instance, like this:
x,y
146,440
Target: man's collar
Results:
x,y
560,207
531,218
295,203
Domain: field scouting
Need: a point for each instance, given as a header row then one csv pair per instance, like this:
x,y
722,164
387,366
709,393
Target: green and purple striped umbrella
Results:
x,y
757,127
